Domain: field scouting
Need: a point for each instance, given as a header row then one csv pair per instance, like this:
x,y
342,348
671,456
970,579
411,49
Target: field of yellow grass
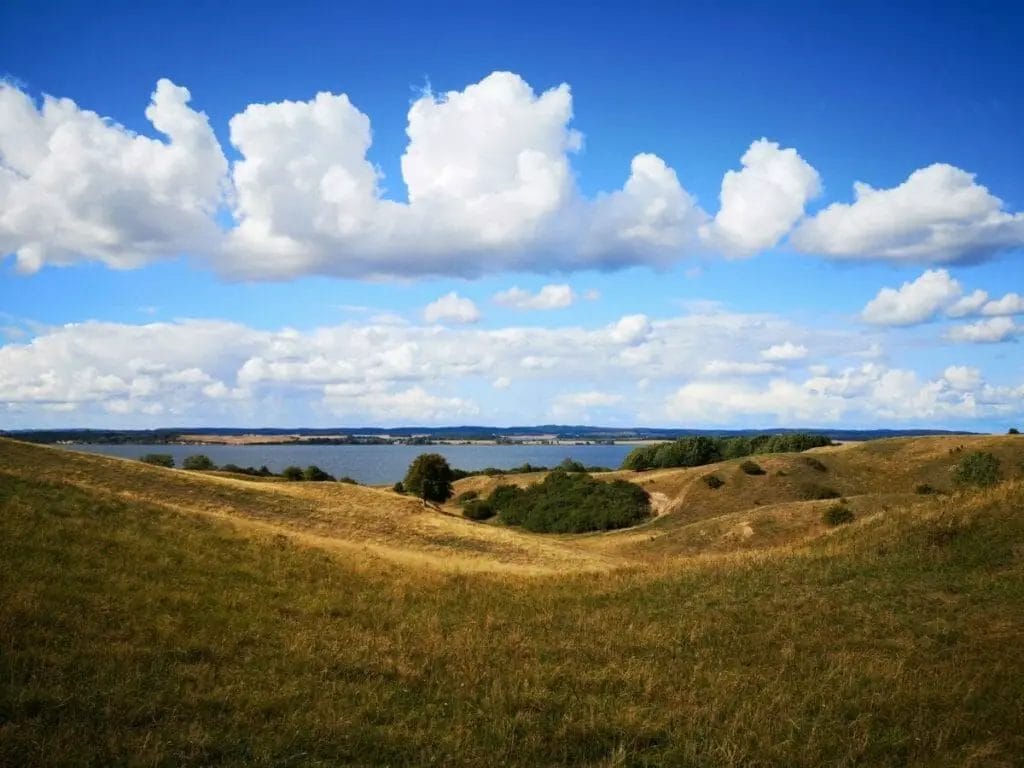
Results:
x,y
161,617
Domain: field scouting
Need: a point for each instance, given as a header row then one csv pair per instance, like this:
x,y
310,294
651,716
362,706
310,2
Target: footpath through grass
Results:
x,y
131,635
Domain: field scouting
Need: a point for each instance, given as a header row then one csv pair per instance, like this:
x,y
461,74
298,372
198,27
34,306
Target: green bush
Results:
x,y
398,487
751,468
314,474
570,465
838,514
462,498
478,509
429,477
1013,431
293,473
199,461
348,480
713,481
699,450
924,489
979,468
571,503
159,459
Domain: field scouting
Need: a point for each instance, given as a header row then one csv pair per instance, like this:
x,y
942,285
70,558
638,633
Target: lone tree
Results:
x,y
429,477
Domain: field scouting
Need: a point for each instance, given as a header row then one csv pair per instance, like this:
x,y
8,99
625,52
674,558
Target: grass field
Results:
x,y
159,617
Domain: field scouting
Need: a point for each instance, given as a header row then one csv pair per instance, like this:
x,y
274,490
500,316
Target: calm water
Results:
x,y
375,464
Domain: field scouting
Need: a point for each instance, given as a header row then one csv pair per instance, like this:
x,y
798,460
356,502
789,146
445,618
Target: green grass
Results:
x,y
131,635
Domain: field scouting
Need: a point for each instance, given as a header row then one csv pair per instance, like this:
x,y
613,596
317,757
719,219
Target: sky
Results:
x,y
735,215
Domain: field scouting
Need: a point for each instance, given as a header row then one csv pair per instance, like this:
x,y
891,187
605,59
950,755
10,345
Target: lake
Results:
x,y
374,464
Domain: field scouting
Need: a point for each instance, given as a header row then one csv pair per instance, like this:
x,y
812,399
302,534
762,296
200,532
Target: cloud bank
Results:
x,y
489,184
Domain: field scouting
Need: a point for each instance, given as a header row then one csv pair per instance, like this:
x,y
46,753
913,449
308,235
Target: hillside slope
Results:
x,y
161,618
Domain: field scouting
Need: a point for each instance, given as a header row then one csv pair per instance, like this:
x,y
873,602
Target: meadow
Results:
x,y
152,616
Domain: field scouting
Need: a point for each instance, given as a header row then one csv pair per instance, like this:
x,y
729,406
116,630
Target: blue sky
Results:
x,y
681,178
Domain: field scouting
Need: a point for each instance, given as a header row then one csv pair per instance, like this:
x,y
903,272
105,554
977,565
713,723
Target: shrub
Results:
x,y
293,473
570,465
199,461
348,480
812,491
925,489
571,503
429,477
751,468
979,468
398,487
159,459
478,509
713,481
838,514
314,474
1013,431
814,464
462,498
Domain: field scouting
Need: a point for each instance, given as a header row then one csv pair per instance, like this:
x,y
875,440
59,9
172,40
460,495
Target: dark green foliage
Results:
x,y
462,498
751,468
813,491
699,450
1013,431
571,503
293,473
978,468
713,481
924,489
478,509
571,465
348,480
814,464
398,487
251,471
429,477
314,474
159,459
198,461
838,514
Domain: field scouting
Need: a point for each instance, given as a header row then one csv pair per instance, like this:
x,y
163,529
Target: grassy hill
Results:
x,y
158,617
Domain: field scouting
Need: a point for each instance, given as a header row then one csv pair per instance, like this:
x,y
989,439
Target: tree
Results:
x,y
429,477
293,473
160,459
1013,431
198,461
313,473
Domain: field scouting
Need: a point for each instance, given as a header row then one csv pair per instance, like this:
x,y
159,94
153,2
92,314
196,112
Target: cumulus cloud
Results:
x,y
1010,304
784,352
761,202
74,185
915,301
189,371
989,331
548,297
939,215
936,293
451,308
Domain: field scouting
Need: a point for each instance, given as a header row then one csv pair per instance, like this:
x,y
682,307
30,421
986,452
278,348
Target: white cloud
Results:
x,y
761,202
914,302
735,368
938,215
451,308
630,330
785,351
74,185
962,377
502,382
576,406
548,297
968,305
993,330
1010,304
414,405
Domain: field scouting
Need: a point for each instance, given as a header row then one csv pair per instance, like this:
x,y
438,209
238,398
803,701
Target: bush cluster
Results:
x,y
571,503
699,450
838,514
713,481
478,509
812,491
159,459
751,468
979,468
